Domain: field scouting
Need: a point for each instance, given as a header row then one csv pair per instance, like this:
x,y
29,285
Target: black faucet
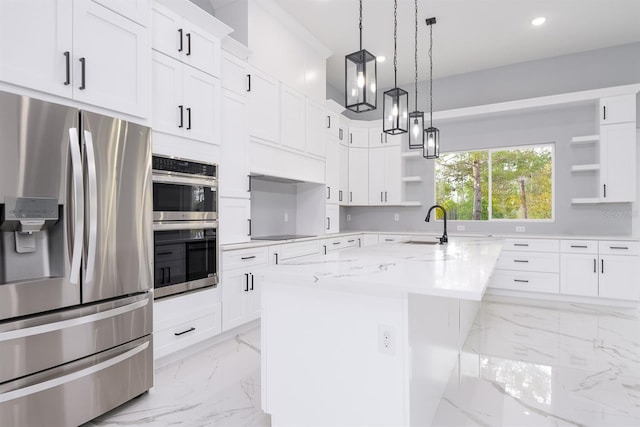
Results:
x,y
444,239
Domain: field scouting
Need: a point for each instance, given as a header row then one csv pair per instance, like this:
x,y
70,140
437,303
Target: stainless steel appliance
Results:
x,y
75,263
185,201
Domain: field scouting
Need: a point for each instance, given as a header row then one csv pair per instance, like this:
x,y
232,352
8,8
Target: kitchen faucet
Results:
x,y
444,239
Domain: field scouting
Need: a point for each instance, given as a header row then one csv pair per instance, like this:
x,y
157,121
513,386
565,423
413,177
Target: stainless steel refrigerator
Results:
x,y
75,263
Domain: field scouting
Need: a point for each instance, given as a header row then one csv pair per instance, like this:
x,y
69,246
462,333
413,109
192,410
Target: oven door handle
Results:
x,y
169,179
184,225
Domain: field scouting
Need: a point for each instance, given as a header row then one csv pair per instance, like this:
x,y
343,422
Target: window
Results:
x,y
505,183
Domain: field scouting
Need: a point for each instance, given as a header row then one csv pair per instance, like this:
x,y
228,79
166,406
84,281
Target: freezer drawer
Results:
x,y
77,392
43,342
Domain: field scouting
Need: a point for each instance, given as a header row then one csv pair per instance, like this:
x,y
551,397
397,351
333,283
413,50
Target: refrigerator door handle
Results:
x,y
55,382
78,204
92,235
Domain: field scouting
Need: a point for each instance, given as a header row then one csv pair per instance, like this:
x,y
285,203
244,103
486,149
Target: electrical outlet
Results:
x,y
396,217
286,217
386,339
460,227
520,229
348,217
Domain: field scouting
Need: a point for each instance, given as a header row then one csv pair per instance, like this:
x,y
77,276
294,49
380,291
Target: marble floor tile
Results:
x,y
522,365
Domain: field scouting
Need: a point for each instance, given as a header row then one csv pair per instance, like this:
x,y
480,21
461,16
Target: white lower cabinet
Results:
x,y
240,289
185,320
339,243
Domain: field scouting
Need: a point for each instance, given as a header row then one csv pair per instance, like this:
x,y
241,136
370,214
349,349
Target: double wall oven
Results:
x,y
185,227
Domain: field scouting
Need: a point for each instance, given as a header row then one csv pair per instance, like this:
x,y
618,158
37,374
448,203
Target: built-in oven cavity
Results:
x,y
174,197
186,258
31,239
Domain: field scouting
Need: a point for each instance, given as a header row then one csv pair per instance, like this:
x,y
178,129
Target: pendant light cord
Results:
x,y
395,43
416,54
431,75
360,24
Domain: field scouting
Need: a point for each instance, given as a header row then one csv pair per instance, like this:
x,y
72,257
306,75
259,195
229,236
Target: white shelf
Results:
x,y
411,179
586,168
412,154
585,200
587,139
411,204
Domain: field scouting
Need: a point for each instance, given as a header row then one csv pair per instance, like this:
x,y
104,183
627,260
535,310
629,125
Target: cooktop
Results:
x,y
281,237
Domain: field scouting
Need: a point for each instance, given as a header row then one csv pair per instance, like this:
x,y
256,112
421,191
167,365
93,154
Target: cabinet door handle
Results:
x,y
520,244
359,242
328,192
350,241
83,73
244,258
246,282
594,266
191,329
339,195
336,243
340,134
324,247
626,248
67,62
328,223
188,118
524,260
249,234
381,193
181,123
604,186
188,44
579,246
276,254
602,266
180,40
350,196
381,141
248,82
385,196
350,138
522,280
604,112
168,274
249,190
251,281
328,122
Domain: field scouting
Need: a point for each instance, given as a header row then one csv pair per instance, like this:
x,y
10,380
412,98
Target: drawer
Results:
x,y
386,238
579,246
340,243
618,247
186,333
526,281
298,249
529,261
244,258
182,308
532,245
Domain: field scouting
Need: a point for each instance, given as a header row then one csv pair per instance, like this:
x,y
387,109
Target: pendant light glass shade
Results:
x,y
431,147
416,129
395,104
360,78
360,70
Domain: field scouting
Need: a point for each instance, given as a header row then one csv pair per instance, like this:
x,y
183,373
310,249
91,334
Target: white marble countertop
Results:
x,y
459,269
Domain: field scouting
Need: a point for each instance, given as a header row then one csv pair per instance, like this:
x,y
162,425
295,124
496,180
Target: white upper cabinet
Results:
x,y
618,162
617,109
385,183
358,176
377,138
77,49
234,164
136,10
332,125
264,106
315,128
186,41
292,118
332,170
343,174
235,74
343,131
358,137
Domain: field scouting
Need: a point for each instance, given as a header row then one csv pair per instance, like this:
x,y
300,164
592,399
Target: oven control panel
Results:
x,y
182,166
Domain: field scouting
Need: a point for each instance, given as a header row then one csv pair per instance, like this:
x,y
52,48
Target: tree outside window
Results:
x,y
521,183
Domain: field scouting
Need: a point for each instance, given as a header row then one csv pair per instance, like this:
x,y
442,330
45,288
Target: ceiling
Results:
x,y
469,35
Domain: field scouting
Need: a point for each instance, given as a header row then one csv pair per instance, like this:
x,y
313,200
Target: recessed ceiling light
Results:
x,y
538,21
381,58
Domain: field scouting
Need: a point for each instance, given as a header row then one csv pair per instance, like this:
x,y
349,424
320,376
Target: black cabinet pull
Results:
x,y
350,196
385,196
328,192
350,138
520,280
340,136
324,247
605,190
83,73
329,124
359,242
246,282
276,254
520,244
191,329
169,274
520,260
249,190
381,193
249,227
180,33
181,123
619,247
188,118
594,266
336,243
328,223
251,281
244,258
604,112
248,82
350,241
602,266
339,195
188,44
579,246
67,62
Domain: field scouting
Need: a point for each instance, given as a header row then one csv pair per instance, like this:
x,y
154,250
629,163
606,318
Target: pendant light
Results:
x,y
416,118
431,146
395,107
360,71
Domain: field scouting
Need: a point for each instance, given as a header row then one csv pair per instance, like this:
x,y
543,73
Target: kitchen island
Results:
x,y
369,336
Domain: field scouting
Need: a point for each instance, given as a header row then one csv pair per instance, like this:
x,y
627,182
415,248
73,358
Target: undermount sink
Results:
x,y
422,242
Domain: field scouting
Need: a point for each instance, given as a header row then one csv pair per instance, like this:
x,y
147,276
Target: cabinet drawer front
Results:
x,y
340,243
526,281
529,261
532,245
244,258
579,246
298,249
171,311
182,335
618,247
386,238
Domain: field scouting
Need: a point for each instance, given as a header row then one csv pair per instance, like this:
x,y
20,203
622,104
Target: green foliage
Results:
x,y
521,183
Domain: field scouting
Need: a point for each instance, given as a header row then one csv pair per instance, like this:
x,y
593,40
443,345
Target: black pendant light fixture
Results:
x,y
395,107
416,118
360,85
431,146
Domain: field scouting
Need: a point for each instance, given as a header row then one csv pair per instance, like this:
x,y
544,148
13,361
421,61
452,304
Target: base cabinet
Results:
x,y
619,277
